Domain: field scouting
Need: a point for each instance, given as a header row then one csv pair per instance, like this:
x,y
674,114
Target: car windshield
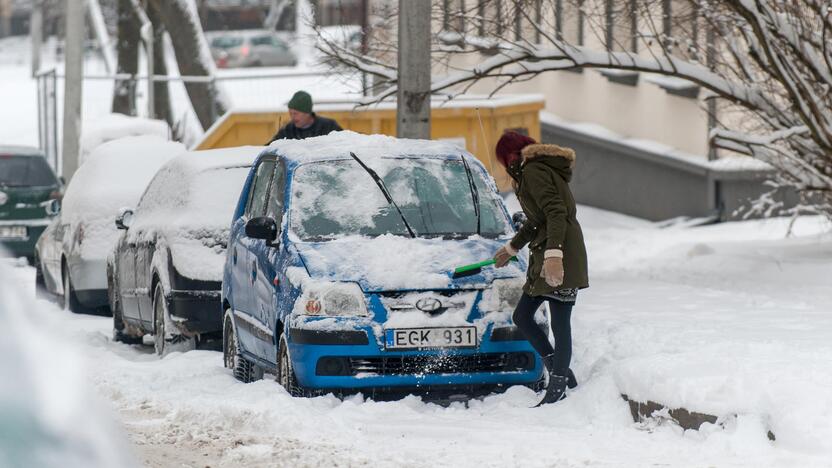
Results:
x,y
227,42
25,171
339,198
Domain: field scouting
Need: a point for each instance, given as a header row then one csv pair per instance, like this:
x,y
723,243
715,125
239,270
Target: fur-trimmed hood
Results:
x,y
543,149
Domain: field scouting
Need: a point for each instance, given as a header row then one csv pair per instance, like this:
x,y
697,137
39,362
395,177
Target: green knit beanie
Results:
x,y
301,102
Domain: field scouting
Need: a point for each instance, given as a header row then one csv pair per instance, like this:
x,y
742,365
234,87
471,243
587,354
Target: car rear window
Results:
x,y
227,42
25,171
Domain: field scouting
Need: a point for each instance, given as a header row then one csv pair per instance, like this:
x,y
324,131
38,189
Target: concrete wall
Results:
x,y
654,184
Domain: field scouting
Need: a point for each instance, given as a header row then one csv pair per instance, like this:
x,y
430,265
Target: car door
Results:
x,y
245,270
126,278
144,249
267,260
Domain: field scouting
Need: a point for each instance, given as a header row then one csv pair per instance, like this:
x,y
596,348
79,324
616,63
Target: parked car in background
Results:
x,y
165,274
250,48
71,254
338,277
29,191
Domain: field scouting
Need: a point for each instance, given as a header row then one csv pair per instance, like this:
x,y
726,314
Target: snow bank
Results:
x,y
190,202
42,423
114,176
114,126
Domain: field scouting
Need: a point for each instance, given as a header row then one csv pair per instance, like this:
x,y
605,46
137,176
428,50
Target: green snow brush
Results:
x,y
474,268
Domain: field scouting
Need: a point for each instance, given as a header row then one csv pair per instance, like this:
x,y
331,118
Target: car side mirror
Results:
x,y
262,227
53,207
124,219
518,219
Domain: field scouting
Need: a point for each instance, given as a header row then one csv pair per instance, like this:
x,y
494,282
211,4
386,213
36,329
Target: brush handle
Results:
x,y
477,265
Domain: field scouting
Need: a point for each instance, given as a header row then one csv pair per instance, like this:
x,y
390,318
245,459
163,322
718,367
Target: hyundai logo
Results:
x,y
3,198
429,304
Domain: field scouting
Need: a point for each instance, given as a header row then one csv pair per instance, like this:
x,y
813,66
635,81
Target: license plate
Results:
x,y
417,338
12,232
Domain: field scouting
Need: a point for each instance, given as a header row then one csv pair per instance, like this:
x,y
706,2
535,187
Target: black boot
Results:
x,y
556,388
571,381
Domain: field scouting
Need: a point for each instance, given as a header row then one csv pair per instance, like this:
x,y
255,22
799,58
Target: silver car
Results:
x,y
71,254
254,48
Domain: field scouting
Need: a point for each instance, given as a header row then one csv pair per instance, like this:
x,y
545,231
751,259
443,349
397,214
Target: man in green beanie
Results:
x,y
305,123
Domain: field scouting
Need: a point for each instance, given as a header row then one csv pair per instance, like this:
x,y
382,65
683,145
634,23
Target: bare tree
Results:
x,y
771,60
193,57
127,47
161,92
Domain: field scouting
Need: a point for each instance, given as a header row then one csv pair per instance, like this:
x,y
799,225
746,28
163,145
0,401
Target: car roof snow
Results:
x,y
16,150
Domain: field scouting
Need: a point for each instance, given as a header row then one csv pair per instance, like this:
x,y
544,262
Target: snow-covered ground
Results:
x,y
730,319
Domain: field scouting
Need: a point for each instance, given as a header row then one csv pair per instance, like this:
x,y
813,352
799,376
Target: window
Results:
x,y
23,171
259,190
274,208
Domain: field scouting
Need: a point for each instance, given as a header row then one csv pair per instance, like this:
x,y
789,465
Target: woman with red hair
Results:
x,y
557,255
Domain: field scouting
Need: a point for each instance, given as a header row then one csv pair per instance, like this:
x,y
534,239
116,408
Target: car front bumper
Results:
x,y
351,359
23,246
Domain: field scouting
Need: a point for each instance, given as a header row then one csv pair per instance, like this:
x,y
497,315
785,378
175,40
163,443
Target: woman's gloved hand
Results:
x,y
552,270
503,256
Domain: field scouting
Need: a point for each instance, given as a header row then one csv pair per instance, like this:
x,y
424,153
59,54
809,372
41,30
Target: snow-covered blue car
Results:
x,y
338,276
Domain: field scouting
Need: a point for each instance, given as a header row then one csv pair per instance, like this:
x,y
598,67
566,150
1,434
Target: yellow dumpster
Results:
x,y
475,122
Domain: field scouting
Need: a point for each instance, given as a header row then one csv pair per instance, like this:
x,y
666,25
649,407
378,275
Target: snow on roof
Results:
x,y
115,126
340,144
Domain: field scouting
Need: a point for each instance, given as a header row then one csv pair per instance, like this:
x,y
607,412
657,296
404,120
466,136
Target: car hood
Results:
x,y
393,263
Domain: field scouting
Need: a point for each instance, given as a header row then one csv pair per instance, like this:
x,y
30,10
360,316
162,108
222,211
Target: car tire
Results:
x,y
41,291
285,372
244,370
165,341
70,300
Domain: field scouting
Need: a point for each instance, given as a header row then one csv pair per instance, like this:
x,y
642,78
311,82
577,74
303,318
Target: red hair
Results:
x,y
509,147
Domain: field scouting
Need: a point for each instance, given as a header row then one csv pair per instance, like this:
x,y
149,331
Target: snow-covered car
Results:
x,y
338,276
166,270
250,48
29,190
50,414
71,254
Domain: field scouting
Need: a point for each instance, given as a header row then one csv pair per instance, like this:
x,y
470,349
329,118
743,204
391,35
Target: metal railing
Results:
x,y
247,90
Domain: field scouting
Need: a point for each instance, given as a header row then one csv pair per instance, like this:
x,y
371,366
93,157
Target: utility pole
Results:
x,y
36,30
73,85
413,96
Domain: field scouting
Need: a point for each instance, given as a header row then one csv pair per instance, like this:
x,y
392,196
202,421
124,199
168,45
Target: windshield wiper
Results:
x,y
384,190
475,195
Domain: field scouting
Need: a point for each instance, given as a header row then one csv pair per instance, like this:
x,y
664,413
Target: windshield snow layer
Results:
x,y
338,198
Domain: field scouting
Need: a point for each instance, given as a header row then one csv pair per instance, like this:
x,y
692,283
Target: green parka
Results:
x,y
543,192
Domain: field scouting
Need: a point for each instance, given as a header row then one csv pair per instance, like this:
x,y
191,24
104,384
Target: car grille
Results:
x,y
442,364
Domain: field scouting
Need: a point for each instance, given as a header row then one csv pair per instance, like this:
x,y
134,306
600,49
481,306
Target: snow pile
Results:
x,y
49,415
114,176
190,203
114,126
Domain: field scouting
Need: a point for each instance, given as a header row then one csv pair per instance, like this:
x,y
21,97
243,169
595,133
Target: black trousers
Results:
x,y
561,328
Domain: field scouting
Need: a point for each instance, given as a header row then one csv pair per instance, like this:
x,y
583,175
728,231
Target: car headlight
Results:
x,y
503,295
335,299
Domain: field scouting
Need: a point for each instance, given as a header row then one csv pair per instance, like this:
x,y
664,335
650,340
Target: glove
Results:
x,y
503,256
552,270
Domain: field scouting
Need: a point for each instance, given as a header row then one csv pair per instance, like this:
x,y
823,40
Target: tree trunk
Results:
x,y
192,56
124,92
161,92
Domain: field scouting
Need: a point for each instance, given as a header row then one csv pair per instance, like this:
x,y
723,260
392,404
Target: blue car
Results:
x,y
339,272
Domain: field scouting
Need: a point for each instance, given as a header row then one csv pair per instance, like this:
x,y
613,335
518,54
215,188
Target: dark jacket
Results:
x,y
544,194
321,126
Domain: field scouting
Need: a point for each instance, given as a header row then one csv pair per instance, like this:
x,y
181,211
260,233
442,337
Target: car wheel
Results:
x,y
165,339
285,371
70,300
244,370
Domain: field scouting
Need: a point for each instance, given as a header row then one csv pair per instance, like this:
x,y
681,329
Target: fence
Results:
x,y
243,88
